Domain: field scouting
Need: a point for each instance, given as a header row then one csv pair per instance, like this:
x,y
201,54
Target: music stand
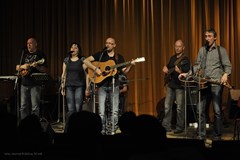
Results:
x,y
41,78
187,86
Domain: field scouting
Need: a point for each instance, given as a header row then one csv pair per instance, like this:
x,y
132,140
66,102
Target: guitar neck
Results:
x,y
217,82
120,65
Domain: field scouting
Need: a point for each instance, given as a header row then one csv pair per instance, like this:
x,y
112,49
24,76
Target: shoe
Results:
x,y
177,131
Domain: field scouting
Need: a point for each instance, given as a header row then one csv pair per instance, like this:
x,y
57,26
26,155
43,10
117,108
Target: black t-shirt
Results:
x,y
104,57
75,75
183,65
28,80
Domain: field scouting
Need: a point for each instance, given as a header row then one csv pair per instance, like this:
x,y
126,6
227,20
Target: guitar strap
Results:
x,y
179,59
220,57
116,57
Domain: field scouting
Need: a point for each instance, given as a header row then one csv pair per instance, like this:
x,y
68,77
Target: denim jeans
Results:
x,y
179,96
30,100
74,97
216,94
114,103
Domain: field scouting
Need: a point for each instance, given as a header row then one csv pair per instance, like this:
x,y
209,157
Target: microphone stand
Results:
x,y
199,97
94,79
185,105
16,87
199,105
113,102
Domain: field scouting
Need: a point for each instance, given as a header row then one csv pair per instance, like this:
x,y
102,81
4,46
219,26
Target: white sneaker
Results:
x,y
195,125
207,125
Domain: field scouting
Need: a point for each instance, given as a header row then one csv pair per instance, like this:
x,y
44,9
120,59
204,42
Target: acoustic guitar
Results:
x,y
25,72
108,68
204,82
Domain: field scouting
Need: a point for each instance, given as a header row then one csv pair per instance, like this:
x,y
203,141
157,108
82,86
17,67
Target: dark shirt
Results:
x,y
75,73
104,57
184,66
28,80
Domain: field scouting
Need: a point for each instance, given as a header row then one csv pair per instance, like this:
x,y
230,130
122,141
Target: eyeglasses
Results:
x,y
110,43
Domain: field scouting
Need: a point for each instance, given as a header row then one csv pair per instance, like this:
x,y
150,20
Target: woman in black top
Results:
x,y
74,79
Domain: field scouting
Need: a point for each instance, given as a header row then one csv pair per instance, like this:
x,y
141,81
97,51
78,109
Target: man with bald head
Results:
x,y
107,81
33,61
178,63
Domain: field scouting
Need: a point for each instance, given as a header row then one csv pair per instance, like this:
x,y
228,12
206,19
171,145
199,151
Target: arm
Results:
x,y
227,65
165,69
87,91
88,63
128,68
124,89
42,69
21,67
63,79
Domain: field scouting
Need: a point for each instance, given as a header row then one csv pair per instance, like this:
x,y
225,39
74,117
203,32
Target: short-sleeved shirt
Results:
x,y
29,58
104,57
75,74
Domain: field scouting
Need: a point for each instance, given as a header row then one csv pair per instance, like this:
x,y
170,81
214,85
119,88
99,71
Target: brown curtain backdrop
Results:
x,y
142,28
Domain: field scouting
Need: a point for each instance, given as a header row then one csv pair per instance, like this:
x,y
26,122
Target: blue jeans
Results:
x,y
74,97
216,94
179,96
30,100
114,103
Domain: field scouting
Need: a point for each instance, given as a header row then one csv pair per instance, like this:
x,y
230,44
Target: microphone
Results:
x,y
105,49
207,45
70,52
24,49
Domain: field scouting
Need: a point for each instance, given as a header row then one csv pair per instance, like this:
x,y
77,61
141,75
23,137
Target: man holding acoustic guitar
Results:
x,y
103,69
32,61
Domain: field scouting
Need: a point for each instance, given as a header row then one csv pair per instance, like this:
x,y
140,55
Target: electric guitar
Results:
x,y
167,76
108,68
25,72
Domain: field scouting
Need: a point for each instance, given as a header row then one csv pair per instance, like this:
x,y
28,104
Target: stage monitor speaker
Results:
x,y
192,96
234,110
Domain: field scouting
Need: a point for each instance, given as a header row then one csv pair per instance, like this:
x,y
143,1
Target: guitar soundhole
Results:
x,y
107,68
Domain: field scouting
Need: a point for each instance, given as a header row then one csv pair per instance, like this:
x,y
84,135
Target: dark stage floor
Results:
x,y
189,133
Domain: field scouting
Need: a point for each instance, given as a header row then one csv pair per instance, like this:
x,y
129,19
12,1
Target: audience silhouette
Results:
x,y
8,123
31,132
127,123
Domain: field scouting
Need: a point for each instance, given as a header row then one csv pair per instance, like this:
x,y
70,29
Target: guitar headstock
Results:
x,y
142,59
